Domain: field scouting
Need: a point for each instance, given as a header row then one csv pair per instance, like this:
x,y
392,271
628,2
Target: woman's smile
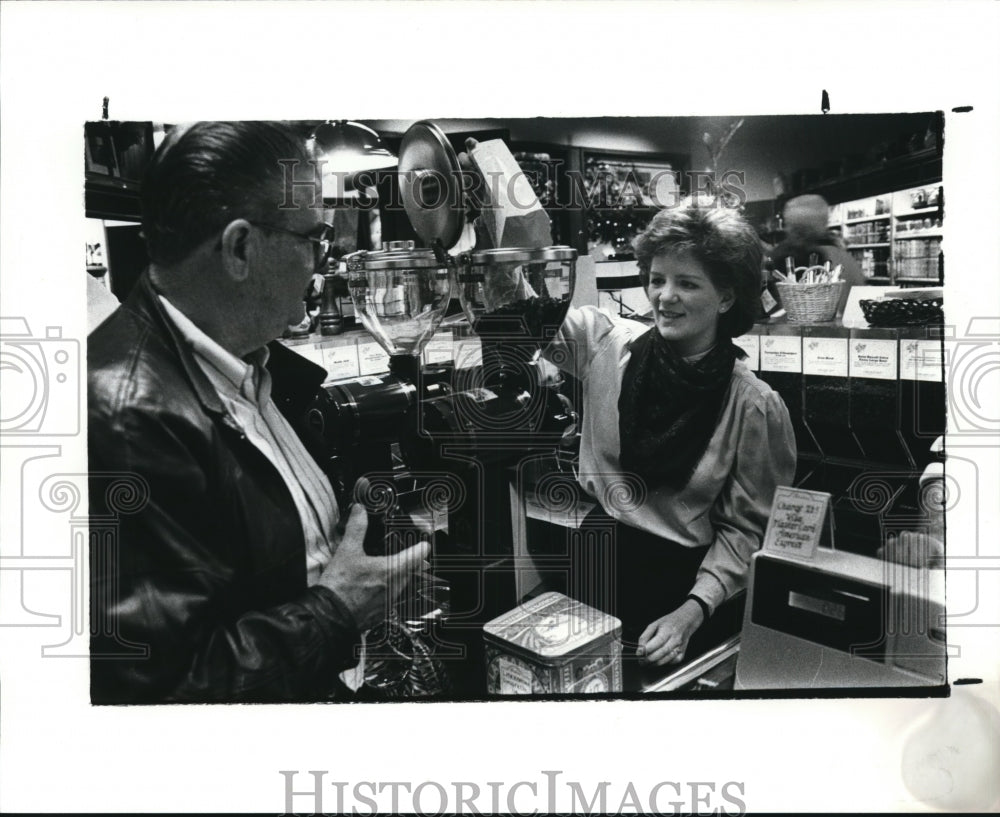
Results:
x,y
685,302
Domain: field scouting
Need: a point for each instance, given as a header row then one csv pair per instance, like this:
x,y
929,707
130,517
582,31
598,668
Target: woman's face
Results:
x,y
686,304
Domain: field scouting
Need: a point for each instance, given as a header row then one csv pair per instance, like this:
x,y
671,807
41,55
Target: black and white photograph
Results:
x,y
627,424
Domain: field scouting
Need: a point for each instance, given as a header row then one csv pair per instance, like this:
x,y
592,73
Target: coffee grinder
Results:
x,y
442,435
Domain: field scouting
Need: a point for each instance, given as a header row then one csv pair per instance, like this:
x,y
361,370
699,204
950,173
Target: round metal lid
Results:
x,y
394,255
514,255
430,184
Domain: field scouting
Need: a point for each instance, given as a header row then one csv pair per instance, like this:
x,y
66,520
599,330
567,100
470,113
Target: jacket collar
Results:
x,y
295,380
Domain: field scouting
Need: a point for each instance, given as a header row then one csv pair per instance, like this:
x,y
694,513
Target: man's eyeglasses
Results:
x,y
322,243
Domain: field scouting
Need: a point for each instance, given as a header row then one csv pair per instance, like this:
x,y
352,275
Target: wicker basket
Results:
x,y
810,303
900,312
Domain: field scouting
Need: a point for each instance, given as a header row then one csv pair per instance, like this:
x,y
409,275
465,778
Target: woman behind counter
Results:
x,y
674,412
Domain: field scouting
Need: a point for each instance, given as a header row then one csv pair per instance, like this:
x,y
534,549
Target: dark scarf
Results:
x,y
668,409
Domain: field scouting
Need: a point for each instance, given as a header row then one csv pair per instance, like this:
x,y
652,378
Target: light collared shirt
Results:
x,y
244,387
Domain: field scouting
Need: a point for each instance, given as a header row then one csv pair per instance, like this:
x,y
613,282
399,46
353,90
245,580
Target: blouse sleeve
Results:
x,y
584,333
765,459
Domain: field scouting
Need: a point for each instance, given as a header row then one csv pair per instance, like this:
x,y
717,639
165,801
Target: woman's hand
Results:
x,y
665,640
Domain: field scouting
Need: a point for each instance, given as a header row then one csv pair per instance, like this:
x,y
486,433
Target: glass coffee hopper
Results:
x,y
401,292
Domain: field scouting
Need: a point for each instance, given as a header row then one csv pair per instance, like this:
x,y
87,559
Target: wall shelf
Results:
x,y
880,217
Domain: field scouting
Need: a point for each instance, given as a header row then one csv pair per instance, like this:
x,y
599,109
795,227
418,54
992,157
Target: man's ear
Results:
x,y
236,249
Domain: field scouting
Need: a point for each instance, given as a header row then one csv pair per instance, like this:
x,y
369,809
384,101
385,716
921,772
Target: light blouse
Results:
x,y
727,502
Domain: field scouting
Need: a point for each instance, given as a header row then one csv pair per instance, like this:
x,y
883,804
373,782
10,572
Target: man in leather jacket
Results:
x,y
229,577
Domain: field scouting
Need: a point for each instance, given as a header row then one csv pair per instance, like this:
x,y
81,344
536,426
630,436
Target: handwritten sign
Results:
x,y
796,522
876,359
920,360
825,356
781,353
751,345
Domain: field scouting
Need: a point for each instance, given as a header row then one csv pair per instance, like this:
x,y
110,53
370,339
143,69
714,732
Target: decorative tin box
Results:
x,y
553,644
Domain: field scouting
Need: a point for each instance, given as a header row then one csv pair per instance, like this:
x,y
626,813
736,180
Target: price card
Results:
x,y
826,356
781,353
341,361
876,359
439,348
468,353
372,358
751,345
920,360
796,522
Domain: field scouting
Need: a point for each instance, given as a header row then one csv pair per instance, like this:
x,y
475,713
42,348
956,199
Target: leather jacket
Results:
x,y
201,595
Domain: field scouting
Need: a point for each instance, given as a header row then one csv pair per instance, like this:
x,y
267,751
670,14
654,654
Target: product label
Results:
x,y
481,395
751,345
515,677
826,356
439,348
341,361
781,353
310,352
767,301
796,522
920,360
372,358
468,353
877,359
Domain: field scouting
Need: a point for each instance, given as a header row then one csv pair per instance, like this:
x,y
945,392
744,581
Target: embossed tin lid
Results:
x,y
552,626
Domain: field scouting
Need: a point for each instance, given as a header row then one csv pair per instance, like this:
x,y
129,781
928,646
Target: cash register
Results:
x,y
841,620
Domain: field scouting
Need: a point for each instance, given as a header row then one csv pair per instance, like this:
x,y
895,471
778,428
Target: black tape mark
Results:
x,y
960,681
962,109
825,102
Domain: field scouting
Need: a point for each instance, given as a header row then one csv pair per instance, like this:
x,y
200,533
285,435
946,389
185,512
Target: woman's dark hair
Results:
x,y
723,243
207,174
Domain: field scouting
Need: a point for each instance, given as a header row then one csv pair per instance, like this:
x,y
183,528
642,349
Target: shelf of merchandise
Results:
x,y
920,211
902,279
880,217
900,208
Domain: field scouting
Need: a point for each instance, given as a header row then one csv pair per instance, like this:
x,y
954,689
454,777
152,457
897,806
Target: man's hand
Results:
x,y
666,639
368,585
915,549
